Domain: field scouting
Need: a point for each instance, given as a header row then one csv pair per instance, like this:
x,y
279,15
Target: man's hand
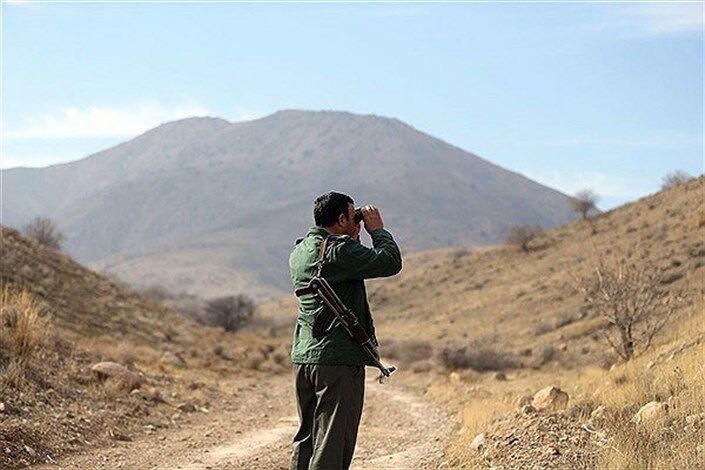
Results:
x,y
372,219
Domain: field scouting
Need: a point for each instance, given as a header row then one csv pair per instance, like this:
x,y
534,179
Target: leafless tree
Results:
x,y
44,230
230,313
522,235
675,178
634,303
584,202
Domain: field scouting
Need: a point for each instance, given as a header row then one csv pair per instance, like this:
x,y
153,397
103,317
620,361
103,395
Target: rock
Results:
x,y
550,399
670,277
501,376
118,436
651,413
30,451
528,410
695,419
154,395
172,359
650,365
599,416
128,379
454,377
522,400
479,442
187,407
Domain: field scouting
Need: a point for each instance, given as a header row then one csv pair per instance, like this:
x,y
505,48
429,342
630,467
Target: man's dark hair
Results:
x,y
328,207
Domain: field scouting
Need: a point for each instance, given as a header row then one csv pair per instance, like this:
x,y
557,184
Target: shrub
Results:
x,y
408,350
634,303
22,327
522,235
584,202
479,355
230,313
674,179
546,354
44,231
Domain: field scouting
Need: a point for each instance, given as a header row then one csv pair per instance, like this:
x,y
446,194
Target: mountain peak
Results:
x,y
195,121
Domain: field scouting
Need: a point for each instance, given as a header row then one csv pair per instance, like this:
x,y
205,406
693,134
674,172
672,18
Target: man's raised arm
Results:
x,y
382,260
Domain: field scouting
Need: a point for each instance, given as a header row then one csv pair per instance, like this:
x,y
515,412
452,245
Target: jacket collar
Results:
x,y
318,231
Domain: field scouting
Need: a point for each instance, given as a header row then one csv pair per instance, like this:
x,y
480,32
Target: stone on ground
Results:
x,y
124,376
651,413
550,399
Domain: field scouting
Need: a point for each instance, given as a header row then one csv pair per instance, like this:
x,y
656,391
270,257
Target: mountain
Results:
x,y
212,207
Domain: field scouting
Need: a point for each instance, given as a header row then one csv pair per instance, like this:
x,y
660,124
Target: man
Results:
x,y
330,369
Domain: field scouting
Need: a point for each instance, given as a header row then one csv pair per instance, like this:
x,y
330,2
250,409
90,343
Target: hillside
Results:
x,y
211,207
478,312
173,394
58,319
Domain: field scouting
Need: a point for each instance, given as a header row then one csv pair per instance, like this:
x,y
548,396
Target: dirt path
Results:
x,y
399,430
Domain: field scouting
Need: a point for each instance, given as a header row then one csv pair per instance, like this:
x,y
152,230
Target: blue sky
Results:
x,y
607,96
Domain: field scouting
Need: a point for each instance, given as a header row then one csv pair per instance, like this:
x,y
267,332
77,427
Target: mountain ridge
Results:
x,y
230,190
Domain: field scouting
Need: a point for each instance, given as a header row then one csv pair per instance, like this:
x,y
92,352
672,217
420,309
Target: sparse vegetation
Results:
x,y
408,350
584,202
522,236
633,302
479,355
230,313
675,178
22,327
44,231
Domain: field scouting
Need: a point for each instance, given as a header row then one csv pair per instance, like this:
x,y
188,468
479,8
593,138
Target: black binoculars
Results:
x,y
358,215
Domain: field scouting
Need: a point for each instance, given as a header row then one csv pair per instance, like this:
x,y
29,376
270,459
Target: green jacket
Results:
x,y
347,264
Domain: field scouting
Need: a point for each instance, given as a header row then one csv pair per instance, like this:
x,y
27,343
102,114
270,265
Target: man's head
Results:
x,y
336,213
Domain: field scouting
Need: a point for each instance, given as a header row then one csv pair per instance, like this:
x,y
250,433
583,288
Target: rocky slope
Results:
x,y
478,329
59,320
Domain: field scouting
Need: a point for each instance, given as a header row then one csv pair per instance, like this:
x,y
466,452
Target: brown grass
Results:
x,y
22,326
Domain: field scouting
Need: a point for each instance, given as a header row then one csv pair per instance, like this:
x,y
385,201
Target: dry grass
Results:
x,y
22,326
673,372
671,444
49,394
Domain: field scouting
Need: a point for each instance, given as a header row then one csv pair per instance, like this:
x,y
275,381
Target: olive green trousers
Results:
x,y
329,400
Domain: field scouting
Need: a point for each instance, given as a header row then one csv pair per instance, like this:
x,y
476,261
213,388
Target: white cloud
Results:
x,y
607,186
95,121
654,19
664,19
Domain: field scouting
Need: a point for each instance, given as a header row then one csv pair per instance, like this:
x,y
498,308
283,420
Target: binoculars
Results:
x,y
358,215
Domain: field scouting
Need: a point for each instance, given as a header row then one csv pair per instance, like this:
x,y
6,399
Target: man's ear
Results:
x,y
342,219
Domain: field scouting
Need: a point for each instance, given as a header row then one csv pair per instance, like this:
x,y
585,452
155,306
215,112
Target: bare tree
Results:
x,y
44,230
230,313
634,303
675,178
584,202
522,235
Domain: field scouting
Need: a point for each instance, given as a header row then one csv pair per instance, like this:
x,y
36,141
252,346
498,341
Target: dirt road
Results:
x,y
399,430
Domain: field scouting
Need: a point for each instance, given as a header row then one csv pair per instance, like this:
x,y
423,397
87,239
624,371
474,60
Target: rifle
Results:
x,y
321,289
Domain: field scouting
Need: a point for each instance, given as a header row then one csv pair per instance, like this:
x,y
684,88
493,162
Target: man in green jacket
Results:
x,y
330,369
